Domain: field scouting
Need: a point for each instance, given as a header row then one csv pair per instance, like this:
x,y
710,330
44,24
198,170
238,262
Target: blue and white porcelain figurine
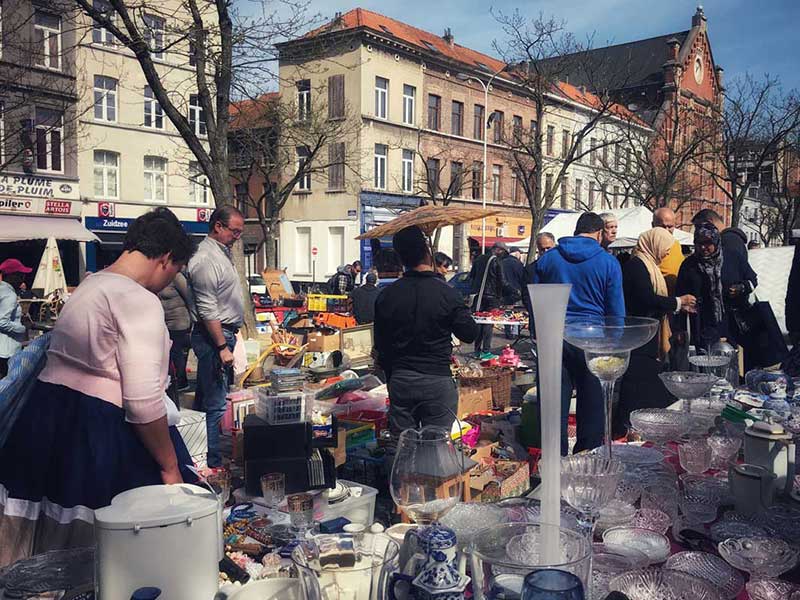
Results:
x,y
439,578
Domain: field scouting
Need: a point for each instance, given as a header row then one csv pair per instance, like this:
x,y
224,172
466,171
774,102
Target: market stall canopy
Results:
x,y
50,274
15,228
632,223
429,219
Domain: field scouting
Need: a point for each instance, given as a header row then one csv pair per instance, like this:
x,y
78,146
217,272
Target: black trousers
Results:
x,y
639,387
417,399
3,367
483,343
179,353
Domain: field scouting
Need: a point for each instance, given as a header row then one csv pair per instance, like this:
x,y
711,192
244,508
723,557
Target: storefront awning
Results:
x,y
14,228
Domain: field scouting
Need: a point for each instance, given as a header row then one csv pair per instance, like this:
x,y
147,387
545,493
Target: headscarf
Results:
x,y
653,245
711,266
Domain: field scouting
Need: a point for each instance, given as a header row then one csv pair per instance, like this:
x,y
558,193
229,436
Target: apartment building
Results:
x,y
420,101
130,156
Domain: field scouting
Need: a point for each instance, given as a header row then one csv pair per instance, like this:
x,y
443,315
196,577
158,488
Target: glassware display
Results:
x,y
301,510
698,508
784,521
588,483
628,491
613,514
761,557
661,497
709,567
425,481
688,385
464,515
723,450
660,425
695,456
654,545
273,489
729,529
501,556
708,485
607,343
663,584
652,519
552,584
608,561
635,455
771,589
529,510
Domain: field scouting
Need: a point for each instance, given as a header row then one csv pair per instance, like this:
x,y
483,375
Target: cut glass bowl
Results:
x,y
710,568
654,545
660,424
628,491
652,519
698,508
762,557
614,514
771,589
589,481
663,584
631,454
608,561
688,385
730,529
695,456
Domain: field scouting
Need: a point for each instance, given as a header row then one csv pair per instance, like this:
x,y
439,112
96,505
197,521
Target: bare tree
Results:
x,y
543,54
757,117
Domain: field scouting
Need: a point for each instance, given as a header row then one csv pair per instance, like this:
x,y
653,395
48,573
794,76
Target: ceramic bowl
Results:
x,y
654,545
709,567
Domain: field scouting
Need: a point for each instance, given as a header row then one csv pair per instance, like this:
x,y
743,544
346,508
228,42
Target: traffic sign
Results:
x,y
314,251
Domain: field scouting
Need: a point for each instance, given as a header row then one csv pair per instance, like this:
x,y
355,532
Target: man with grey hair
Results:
x,y
610,225
544,241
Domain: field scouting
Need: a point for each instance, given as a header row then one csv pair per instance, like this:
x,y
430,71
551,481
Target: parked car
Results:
x,y
462,283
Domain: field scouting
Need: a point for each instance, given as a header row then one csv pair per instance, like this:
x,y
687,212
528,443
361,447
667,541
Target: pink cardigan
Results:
x,y
111,342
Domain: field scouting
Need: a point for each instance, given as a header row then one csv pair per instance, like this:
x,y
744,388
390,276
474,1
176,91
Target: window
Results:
x,y
517,120
563,193
105,98
381,151
477,180
578,150
197,116
335,97
564,143
551,140
47,40
605,156
154,35
593,152
100,35
591,196
408,171
303,251
497,174
604,196
198,183
106,175
456,179
304,181
534,128
514,187
479,124
49,141
409,102
335,251
155,179
434,106
241,193
548,185
192,53
578,193
336,166
381,97
628,163
498,124
303,100
457,118
615,197
153,113
432,175
617,157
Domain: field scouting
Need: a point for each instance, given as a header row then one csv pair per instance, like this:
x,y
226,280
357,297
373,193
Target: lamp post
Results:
x,y
487,121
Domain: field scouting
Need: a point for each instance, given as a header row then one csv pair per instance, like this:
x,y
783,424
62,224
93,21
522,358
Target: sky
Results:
x,y
746,36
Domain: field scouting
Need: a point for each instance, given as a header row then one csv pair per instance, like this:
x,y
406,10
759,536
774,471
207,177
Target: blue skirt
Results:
x,y
68,454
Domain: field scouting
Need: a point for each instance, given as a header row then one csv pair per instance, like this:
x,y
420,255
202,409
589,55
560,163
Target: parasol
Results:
x,y
50,274
429,219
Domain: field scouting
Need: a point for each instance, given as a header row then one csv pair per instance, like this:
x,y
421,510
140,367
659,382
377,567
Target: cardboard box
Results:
x,y
472,400
498,479
340,452
318,342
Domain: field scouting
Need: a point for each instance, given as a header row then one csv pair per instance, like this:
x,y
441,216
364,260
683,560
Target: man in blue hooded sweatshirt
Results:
x,y
596,280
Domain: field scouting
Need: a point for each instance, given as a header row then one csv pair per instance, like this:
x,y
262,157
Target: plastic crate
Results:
x,y
326,302
288,407
356,509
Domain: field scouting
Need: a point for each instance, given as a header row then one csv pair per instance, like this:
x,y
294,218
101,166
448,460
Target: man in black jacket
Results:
x,y
487,273
364,298
415,319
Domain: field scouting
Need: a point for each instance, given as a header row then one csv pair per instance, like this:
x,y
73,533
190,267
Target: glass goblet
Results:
x,y
695,456
723,450
589,482
273,489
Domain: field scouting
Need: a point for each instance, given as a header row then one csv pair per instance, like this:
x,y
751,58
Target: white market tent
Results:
x,y
632,222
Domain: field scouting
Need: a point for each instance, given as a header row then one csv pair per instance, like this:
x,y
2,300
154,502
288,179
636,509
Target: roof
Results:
x,y
252,112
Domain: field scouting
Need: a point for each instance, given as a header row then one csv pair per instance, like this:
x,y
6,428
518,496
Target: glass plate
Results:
x,y
709,567
654,545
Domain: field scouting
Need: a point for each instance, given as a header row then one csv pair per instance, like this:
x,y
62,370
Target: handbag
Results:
x,y
760,336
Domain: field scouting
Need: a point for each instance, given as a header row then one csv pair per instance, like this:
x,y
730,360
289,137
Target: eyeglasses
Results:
x,y
237,233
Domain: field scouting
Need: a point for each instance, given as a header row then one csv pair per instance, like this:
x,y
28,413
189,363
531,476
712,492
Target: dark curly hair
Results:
x,y
157,233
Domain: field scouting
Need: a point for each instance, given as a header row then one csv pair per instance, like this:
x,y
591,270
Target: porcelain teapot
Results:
x,y
769,445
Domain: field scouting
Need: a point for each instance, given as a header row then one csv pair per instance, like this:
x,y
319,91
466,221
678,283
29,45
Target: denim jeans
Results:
x,y
418,399
212,386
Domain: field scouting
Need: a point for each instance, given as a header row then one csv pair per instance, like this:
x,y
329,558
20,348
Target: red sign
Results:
x,y
314,251
57,207
203,215
105,209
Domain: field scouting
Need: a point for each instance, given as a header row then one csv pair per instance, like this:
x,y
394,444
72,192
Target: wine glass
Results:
x,y
426,478
607,343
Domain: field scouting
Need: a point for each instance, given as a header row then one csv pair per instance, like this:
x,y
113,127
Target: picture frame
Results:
x,y
357,343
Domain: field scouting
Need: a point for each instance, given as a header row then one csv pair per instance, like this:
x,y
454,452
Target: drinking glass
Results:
x,y
301,510
273,488
588,483
695,456
552,584
220,482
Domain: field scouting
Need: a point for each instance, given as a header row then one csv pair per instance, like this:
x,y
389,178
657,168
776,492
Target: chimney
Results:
x,y
448,37
720,78
699,18
673,47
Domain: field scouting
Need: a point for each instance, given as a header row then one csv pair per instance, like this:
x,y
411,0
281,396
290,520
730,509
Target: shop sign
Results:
x,y
37,186
204,215
57,207
38,206
105,209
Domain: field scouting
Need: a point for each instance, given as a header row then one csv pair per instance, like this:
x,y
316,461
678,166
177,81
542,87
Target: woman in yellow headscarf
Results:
x,y
646,296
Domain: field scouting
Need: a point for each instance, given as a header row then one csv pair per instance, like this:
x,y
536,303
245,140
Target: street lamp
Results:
x,y
487,122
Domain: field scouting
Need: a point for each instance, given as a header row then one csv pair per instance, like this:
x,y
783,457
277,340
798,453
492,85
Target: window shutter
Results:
x,y
336,97
336,166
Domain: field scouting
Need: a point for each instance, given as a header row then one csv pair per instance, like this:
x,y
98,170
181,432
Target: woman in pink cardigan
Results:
x,y
95,424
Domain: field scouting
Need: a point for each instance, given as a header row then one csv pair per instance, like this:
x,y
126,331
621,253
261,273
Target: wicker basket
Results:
x,y
496,378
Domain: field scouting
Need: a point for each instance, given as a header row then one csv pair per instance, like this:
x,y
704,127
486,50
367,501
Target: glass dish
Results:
x,y
608,561
463,516
698,508
661,425
687,385
663,584
653,545
661,497
761,557
730,529
771,589
708,485
652,519
710,568
614,514
723,449
628,491
784,521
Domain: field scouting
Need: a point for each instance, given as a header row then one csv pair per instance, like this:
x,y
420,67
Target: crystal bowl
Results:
x,y
784,521
663,584
614,514
709,361
698,508
709,567
708,485
729,529
608,561
463,516
771,589
633,455
661,497
659,424
628,491
609,335
687,385
654,545
589,481
652,519
695,456
762,557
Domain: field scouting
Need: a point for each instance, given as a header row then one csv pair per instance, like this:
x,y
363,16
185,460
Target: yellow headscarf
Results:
x,y
654,244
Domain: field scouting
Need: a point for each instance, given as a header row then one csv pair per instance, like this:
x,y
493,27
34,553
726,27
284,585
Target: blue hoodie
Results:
x,y
595,276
